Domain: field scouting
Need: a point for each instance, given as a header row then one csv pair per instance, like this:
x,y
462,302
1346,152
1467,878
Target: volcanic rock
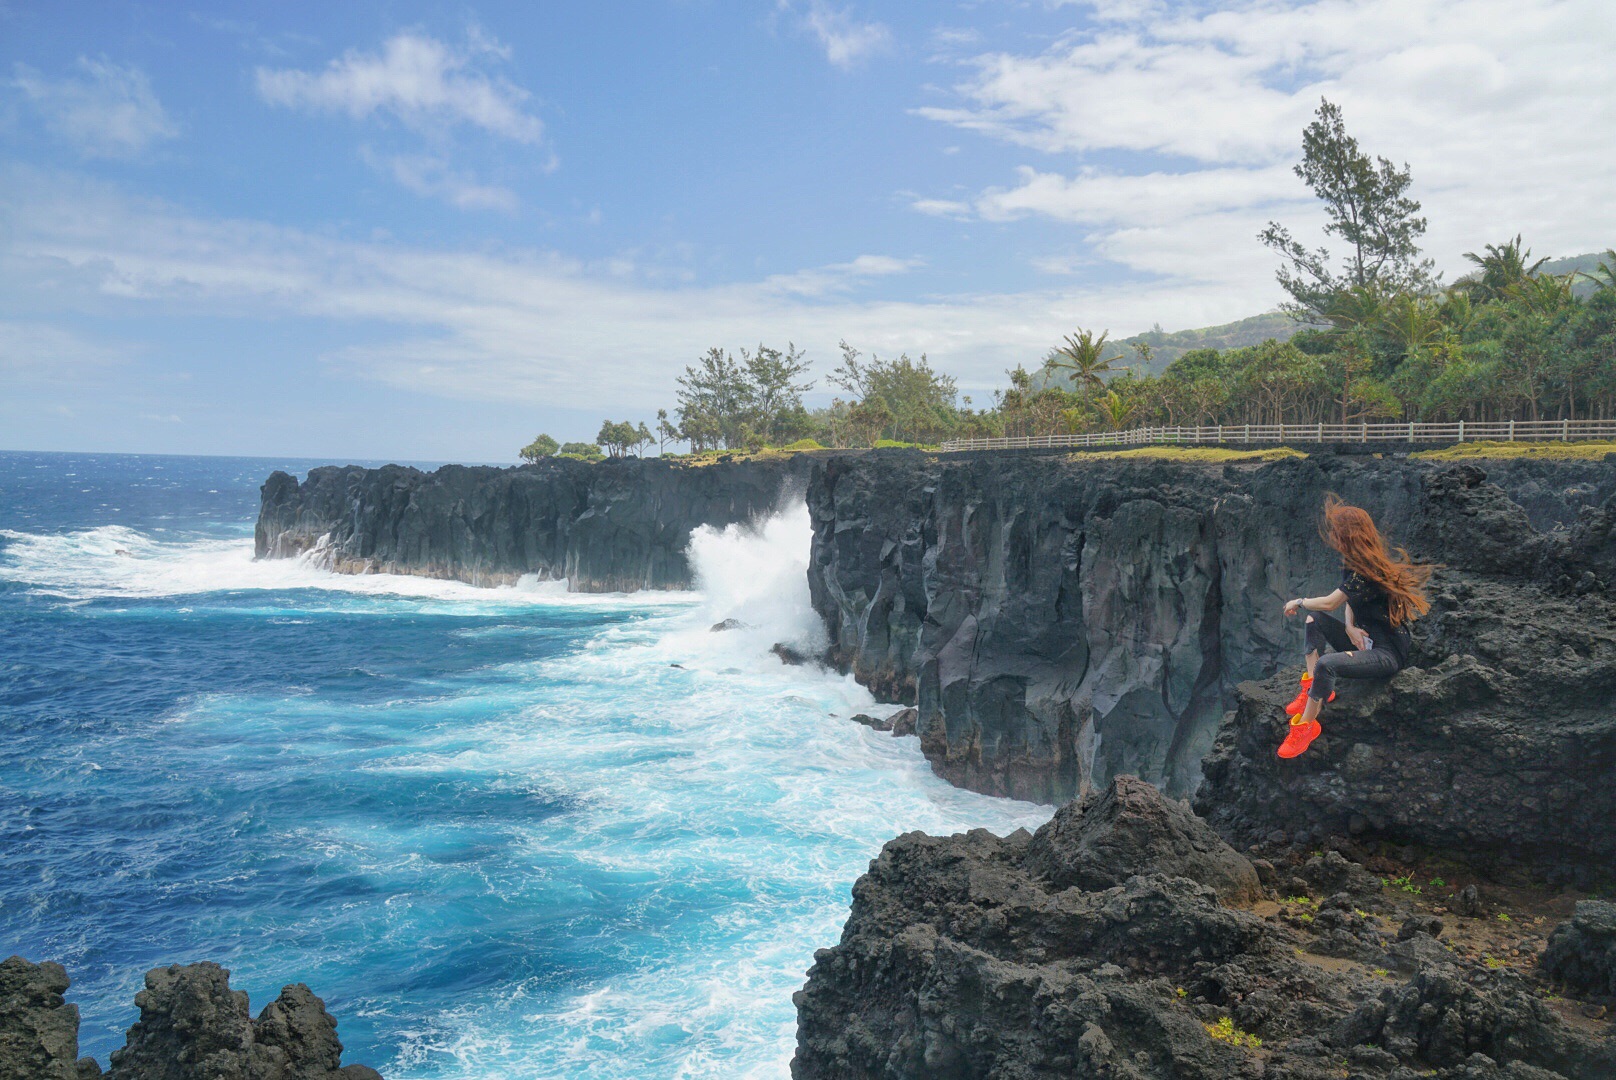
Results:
x,y
1131,829
39,1032
1061,619
1581,953
965,956
613,526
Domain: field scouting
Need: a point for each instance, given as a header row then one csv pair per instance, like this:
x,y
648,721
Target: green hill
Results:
x,y
1167,347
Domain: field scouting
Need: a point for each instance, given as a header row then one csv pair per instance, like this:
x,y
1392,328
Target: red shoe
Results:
x,y
1295,707
1300,738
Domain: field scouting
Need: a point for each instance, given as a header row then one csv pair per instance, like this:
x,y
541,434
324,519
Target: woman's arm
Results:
x,y
1317,603
1354,631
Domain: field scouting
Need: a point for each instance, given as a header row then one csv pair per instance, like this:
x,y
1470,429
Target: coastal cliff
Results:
x,y
1058,620
614,526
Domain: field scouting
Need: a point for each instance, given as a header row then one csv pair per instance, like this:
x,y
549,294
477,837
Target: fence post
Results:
x,y
1512,431
1565,430
1461,431
1411,431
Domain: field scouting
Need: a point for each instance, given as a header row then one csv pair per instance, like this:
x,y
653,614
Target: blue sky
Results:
x,y
430,231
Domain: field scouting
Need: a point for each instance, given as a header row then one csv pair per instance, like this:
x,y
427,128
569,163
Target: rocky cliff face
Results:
x,y
1059,619
1125,941
615,526
192,1027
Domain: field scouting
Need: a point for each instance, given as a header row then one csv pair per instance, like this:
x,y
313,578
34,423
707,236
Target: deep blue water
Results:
x,y
503,833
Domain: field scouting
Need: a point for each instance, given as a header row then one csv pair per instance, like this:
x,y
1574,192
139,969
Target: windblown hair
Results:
x,y
1351,531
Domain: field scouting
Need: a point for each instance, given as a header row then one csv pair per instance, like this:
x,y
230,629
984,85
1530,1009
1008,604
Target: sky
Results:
x,y
431,231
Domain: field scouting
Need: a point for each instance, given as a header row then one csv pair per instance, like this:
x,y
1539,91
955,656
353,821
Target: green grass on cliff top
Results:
x,y
1192,453
1554,451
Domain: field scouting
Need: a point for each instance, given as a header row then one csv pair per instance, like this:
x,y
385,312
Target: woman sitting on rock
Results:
x,y
1383,594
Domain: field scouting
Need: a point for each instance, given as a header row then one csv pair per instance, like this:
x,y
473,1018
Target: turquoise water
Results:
x,y
504,833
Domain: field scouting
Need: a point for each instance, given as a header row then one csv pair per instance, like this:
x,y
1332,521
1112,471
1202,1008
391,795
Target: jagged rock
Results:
x,y
39,1032
727,624
614,526
194,1027
1582,952
789,656
904,721
1420,924
1131,829
875,722
1058,620
1468,902
965,957
1463,756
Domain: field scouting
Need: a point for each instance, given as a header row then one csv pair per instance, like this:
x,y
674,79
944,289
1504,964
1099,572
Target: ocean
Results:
x,y
502,832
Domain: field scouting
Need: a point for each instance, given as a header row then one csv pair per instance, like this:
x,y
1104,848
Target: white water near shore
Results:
x,y
716,805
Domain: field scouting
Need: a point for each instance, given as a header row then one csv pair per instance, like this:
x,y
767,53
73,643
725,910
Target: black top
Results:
x,y
1371,611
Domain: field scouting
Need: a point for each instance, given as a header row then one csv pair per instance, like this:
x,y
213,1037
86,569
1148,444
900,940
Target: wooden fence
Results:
x,y
1461,431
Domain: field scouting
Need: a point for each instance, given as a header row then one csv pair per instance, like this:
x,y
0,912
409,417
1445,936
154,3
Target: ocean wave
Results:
x,y
114,561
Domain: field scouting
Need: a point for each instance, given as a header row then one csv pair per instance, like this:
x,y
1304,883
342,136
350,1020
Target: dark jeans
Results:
x,y
1326,633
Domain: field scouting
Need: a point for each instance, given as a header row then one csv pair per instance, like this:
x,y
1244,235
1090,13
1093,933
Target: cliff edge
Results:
x,y
612,526
1059,619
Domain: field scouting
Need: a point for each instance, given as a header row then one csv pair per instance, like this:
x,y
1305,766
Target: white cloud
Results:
x,y
846,41
37,353
523,326
432,176
426,83
109,110
1185,119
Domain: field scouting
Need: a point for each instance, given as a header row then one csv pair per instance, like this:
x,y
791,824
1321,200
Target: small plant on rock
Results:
x,y
1503,916
1494,962
1406,883
1225,1031
1438,883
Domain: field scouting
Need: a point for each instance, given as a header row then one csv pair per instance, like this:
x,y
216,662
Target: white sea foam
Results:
x,y
722,799
114,561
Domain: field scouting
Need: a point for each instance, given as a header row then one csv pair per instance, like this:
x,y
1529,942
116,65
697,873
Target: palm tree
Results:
x,y
1413,322
1115,411
1361,307
1502,268
1081,354
1604,276
1543,295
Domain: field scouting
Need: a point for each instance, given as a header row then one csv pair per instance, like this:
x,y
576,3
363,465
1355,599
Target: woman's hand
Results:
x,y
1357,635
1292,606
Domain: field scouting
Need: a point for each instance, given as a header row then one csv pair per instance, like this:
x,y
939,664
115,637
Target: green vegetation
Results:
x,y
1494,962
581,451
541,447
1592,451
1438,883
1225,1031
1368,336
1405,883
1192,453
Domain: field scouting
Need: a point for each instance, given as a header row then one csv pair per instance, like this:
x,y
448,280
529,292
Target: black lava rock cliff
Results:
x,y
614,526
1123,941
192,1027
1060,619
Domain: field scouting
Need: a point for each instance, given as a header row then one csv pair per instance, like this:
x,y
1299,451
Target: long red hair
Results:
x,y
1351,531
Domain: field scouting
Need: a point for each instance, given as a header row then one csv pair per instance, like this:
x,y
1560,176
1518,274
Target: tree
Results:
x,y
1501,270
775,395
1368,207
1114,411
541,447
582,451
1080,354
642,439
665,432
919,400
714,401
619,437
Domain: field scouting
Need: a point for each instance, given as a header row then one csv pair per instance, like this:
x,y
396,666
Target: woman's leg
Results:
x,y
1356,664
1324,633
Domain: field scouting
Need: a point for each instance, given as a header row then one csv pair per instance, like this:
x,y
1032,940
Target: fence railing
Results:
x,y
1459,431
